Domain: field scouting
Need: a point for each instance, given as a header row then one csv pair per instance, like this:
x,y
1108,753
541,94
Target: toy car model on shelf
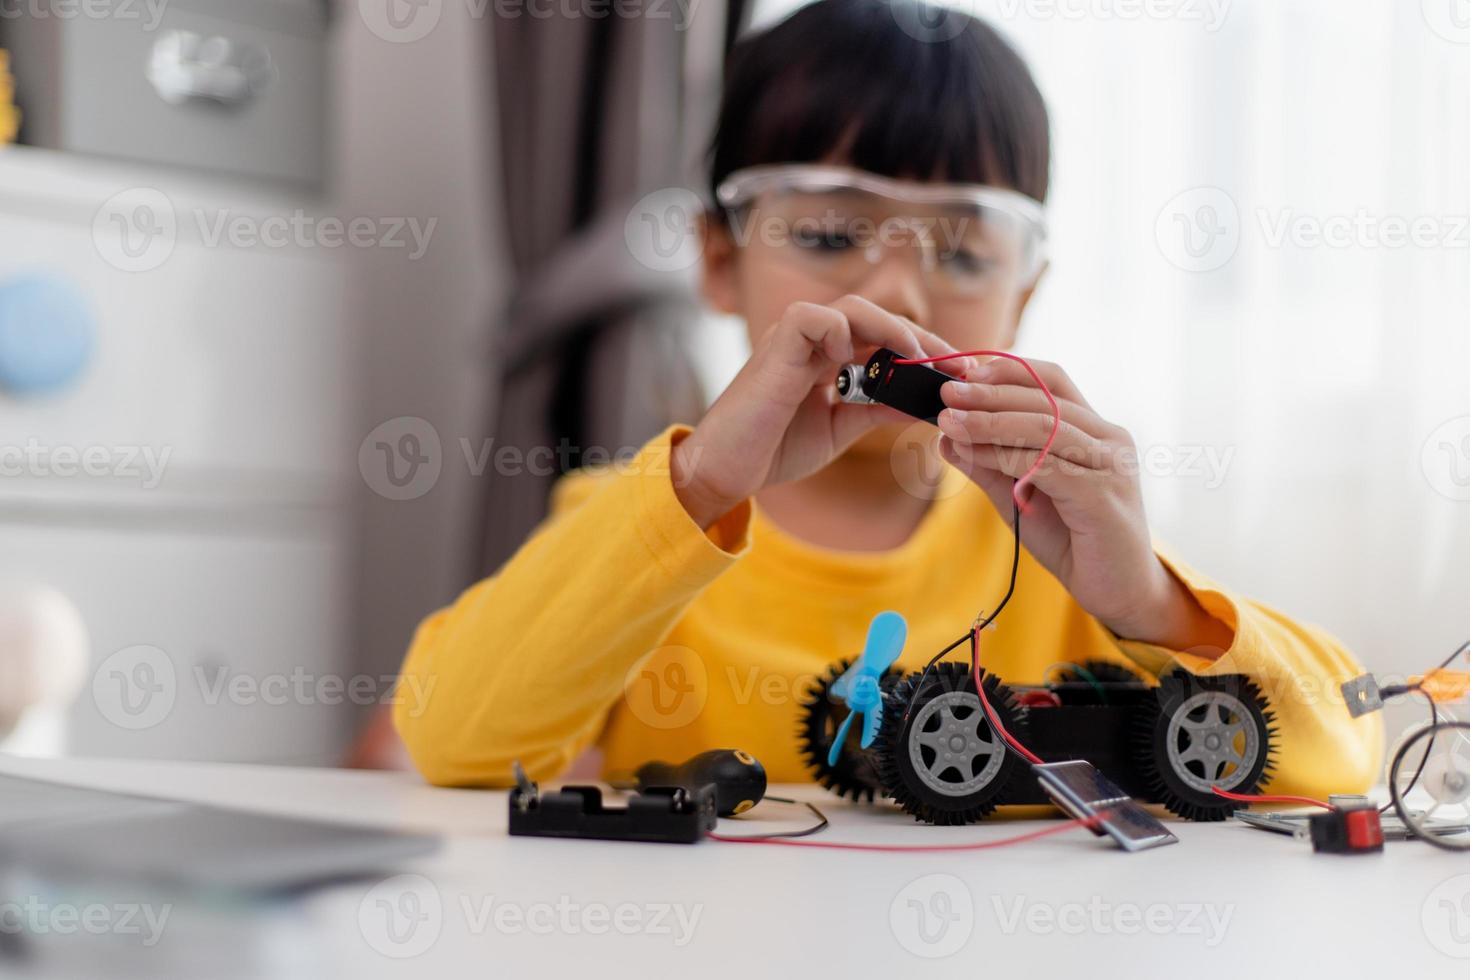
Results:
x,y
932,750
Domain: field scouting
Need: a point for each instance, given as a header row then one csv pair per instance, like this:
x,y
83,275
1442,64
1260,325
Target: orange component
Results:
x,y
1444,686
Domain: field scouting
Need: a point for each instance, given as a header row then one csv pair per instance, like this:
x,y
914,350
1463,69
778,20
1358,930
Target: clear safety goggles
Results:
x,y
970,239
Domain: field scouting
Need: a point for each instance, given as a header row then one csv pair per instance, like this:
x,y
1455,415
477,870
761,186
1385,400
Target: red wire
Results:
x,y
1056,411
1091,821
1000,729
1260,798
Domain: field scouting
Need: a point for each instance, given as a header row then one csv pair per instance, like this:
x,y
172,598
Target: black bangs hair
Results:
x,y
855,81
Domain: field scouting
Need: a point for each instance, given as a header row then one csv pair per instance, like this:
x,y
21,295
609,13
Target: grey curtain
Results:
x,y
594,113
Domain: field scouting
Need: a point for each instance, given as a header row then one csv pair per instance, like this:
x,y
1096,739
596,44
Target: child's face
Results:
x,y
948,274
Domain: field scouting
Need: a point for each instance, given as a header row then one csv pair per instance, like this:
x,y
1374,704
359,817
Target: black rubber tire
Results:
x,y
855,776
900,778
1170,787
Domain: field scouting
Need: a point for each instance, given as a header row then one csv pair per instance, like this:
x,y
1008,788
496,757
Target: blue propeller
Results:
x,y
858,685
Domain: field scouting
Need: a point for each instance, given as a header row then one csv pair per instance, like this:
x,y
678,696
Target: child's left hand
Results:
x,y
1085,519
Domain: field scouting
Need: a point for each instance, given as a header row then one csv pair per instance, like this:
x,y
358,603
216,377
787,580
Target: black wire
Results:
x,y
1424,760
1433,717
815,828
982,624
1401,805
1448,660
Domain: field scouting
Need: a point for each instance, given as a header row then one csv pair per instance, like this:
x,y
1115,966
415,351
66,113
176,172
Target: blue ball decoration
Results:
x,y
47,335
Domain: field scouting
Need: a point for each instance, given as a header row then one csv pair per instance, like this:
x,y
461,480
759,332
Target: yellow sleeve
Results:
x,y
526,665
1321,748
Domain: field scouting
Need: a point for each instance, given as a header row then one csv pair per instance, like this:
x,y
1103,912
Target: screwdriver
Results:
x,y
739,780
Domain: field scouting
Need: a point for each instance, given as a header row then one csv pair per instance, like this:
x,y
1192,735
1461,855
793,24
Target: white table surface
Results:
x,y
1227,901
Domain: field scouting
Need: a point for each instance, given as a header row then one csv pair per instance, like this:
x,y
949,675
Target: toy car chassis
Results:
x,y
937,756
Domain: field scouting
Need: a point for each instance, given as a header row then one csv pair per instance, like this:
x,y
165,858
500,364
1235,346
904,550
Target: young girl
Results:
x,y
875,190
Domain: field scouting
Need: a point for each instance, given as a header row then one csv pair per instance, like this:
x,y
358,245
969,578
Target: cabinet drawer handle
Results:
x,y
185,66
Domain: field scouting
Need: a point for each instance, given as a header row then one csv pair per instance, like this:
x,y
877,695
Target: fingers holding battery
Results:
x,y
1001,371
974,396
1011,443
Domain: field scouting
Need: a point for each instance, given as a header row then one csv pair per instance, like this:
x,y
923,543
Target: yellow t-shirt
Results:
x,y
621,623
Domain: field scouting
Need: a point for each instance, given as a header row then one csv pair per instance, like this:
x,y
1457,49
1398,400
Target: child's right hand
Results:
x,y
780,419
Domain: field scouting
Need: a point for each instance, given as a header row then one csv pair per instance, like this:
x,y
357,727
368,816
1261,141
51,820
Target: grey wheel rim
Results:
x,y
1212,741
963,753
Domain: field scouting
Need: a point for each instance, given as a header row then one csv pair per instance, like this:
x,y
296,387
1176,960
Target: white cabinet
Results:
x,y
211,638
217,408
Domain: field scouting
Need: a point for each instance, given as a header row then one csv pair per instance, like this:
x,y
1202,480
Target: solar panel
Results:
x,y
1082,792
